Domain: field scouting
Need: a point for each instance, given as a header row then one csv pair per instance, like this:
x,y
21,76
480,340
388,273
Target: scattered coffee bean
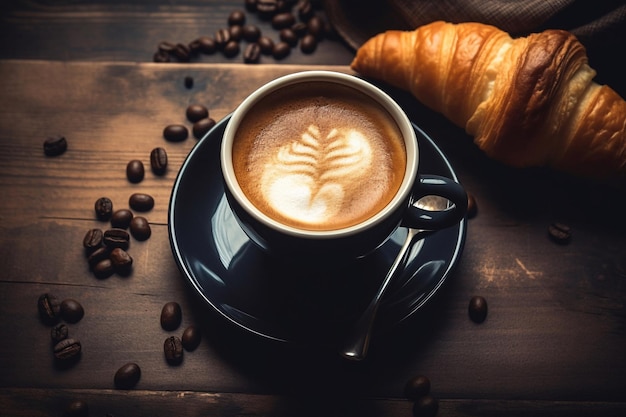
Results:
x,y
425,406
121,218
122,261
135,171
236,33
55,145
161,57
316,27
92,240
231,48
308,44
98,255
252,53
67,349
171,316
71,310
281,50
127,376
300,29
266,8
305,10
116,238
59,332
49,308
76,408
191,338
266,44
196,112
472,208
194,46
236,17
182,52
141,202
202,127
250,5
477,309
222,37
289,37
175,133
417,387
188,82
167,47
283,20
103,208
173,349
103,268
251,33
207,45
158,160
560,233
140,228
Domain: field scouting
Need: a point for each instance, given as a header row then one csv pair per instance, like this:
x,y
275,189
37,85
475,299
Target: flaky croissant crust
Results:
x,y
528,101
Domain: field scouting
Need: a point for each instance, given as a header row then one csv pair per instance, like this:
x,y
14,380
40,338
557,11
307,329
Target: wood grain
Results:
x,y
552,343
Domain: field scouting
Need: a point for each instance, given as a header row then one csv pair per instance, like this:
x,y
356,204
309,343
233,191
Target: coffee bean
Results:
x,y
135,171
472,207
171,316
103,208
425,406
202,127
121,260
158,161
300,29
141,202
196,112
59,332
222,37
71,310
252,53
140,228
121,218
116,238
191,338
160,56
560,233
416,387
207,45
231,48
194,46
266,44
92,240
166,46
173,349
175,133
250,5
283,20
288,36
182,52
266,8
477,309
308,44
188,82
127,376
305,10
236,17
55,145
236,33
316,27
103,268
98,255
251,33
49,308
67,349
281,50
76,408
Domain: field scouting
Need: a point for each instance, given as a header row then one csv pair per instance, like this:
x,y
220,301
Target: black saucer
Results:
x,y
277,298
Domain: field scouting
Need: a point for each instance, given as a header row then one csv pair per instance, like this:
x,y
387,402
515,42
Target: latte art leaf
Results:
x,y
307,179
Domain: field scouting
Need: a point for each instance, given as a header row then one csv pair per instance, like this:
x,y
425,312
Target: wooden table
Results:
x,y
552,345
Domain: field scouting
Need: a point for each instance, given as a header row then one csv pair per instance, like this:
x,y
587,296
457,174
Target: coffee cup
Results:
x,y
326,163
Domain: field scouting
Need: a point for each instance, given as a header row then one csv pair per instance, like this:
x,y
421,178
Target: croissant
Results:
x,y
529,101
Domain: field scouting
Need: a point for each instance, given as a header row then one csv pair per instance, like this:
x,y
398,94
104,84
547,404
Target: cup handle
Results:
x,y
418,218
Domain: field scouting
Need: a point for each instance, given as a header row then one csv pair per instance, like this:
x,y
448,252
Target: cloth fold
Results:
x,y
599,25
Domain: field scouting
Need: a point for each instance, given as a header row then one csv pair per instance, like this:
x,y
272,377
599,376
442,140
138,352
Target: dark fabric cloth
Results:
x,y
600,25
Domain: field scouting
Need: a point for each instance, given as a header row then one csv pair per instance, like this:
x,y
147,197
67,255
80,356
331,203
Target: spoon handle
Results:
x,y
358,338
